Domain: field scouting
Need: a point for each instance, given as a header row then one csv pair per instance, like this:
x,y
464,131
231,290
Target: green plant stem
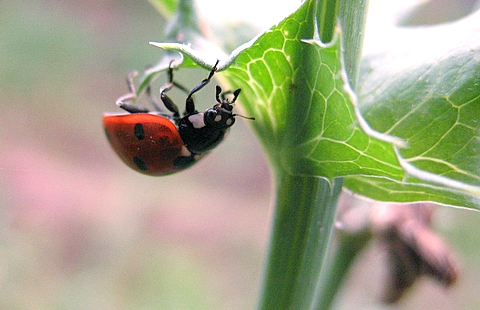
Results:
x,y
327,14
303,224
353,15
349,246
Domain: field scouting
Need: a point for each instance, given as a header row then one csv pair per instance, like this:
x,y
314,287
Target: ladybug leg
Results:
x,y
153,99
235,95
124,101
218,91
170,79
167,101
169,104
190,104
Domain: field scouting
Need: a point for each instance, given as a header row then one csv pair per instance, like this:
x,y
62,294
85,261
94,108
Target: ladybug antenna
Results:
x,y
245,117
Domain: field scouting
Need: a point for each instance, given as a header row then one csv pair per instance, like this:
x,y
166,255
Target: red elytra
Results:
x,y
145,142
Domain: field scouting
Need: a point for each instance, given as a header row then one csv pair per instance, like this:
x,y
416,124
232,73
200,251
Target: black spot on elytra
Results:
x,y
139,132
140,163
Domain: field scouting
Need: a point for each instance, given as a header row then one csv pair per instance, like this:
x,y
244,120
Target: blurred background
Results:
x,y
80,230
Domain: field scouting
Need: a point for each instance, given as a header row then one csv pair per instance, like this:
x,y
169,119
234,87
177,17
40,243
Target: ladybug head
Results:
x,y
221,115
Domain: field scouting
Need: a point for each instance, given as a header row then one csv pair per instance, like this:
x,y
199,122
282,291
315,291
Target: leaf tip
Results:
x,y
155,44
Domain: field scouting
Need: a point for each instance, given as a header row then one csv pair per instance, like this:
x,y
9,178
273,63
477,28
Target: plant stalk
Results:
x,y
302,229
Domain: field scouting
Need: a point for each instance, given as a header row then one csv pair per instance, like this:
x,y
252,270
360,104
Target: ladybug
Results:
x,y
157,144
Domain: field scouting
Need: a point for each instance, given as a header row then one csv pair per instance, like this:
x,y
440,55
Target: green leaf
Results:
x,y
426,90
296,88
164,7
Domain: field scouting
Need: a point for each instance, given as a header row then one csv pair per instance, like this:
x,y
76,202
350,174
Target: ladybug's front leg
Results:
x,y
190,104
124,101
225,93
